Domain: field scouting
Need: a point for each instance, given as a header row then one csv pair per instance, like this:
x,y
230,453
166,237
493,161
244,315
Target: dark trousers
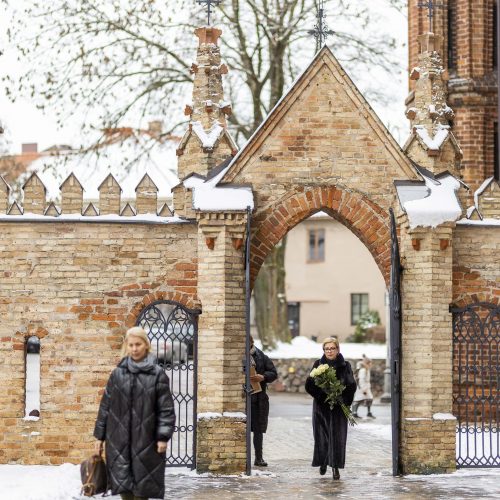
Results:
x,y
367,403
258,438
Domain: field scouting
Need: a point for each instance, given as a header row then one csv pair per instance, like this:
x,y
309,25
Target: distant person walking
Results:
x,y
265,374
136,420
330,425
363,395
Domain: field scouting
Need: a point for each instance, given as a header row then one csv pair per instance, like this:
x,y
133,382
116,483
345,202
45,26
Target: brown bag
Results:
x,y
94,476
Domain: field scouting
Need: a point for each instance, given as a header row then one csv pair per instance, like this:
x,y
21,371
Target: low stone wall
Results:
x,y
292,374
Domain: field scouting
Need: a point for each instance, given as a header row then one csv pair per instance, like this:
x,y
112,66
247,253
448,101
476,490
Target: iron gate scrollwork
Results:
x,y
395,340
173,332
476,383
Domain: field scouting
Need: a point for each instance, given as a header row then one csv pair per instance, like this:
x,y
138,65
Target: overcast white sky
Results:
x,y
27,124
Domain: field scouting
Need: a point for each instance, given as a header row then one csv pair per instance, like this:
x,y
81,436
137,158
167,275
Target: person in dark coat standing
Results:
x,y
136,420
330,426
265,374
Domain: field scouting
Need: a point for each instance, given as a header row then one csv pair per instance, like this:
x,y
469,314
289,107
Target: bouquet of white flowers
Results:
x,y
325,378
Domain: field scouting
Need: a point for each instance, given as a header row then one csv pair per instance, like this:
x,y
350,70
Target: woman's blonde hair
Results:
x,y
139,332
330,340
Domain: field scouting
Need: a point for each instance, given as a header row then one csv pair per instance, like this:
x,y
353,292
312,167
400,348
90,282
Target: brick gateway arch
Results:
x,y
368,221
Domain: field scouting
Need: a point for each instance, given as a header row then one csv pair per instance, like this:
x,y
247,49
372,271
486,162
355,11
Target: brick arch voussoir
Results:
x,y
182,298
475,298
367,220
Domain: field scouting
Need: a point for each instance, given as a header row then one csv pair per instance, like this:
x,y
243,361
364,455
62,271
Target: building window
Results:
x,y
452,35
359,305
294,318
32,389
316,245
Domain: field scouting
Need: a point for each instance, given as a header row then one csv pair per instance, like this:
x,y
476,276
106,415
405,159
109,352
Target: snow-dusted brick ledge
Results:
x,y
111,218
484,222
435,416
443,416
227,414
31,419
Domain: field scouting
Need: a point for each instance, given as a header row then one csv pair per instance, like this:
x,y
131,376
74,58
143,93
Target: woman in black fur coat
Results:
x,y
330,426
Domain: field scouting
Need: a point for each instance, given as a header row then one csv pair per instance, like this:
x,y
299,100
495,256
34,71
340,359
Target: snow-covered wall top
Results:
x,y
439,206
209,196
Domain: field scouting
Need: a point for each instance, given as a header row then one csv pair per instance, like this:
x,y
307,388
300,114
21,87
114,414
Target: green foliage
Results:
x,y
367,320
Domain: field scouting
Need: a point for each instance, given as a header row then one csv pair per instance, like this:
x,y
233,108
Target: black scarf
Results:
x,y
338,362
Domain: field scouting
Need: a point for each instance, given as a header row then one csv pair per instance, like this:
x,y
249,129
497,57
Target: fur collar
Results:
x,y
338,362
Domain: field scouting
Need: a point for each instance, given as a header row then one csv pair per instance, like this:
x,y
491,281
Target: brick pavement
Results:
x,y
288,449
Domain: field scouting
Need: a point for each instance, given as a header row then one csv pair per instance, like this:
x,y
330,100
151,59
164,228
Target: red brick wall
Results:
x,y
472,86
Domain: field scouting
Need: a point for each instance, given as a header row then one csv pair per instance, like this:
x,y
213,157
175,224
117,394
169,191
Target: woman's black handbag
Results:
x,y
94,476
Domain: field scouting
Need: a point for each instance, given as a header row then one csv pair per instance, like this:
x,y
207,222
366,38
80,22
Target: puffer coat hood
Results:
x,y
136,411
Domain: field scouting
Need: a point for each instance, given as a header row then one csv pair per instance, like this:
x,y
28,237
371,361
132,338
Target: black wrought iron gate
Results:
x,y
476,384
395,340
173,332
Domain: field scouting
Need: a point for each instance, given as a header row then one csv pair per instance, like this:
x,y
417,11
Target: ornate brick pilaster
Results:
x,y
431,143
207,142
221,341
426,351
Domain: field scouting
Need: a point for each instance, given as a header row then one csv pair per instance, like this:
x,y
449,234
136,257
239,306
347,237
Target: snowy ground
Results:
x,y
303,347
288,448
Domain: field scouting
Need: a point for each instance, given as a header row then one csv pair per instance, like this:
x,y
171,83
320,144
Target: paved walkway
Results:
x,y
288,449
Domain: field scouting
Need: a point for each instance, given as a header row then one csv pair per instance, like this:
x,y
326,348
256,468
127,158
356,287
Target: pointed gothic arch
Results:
x,y
368,221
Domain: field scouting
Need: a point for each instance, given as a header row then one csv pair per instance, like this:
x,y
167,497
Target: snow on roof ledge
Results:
x,y
441,205
208,196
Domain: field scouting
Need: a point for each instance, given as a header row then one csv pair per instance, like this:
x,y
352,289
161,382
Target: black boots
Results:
x,y
336,473
258,438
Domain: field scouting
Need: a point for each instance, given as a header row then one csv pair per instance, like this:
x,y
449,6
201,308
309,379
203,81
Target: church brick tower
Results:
x,y
468,40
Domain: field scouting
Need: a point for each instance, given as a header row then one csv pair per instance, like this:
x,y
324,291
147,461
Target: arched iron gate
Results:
x,y
476,384
173,332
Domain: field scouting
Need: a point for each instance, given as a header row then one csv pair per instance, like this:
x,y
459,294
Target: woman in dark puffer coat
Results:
x,y
330,426
136,420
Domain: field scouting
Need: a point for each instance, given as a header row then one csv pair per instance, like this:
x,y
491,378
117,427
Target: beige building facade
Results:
x,y
331,279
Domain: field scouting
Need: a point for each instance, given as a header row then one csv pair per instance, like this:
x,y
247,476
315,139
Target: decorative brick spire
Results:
x,y
431,143
206,143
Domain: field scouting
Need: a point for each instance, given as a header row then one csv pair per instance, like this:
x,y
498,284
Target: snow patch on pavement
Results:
x,y
378,430
41,482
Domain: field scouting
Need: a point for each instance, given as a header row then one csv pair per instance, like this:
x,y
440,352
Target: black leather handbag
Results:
x,y
94,476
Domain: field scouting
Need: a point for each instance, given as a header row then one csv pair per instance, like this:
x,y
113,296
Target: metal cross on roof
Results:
x,y
209,4
431,5
320,31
